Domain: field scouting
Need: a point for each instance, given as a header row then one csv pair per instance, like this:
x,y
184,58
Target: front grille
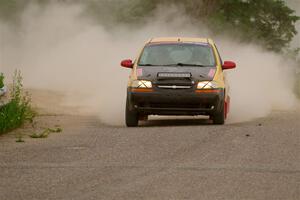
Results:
x,y
182,83
185,82
174,87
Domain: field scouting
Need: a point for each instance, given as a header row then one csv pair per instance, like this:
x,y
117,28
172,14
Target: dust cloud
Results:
x,y
262,82
58,49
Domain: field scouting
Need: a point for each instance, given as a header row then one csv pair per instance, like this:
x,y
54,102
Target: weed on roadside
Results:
x,y
20,138
55,130
45,133
18,110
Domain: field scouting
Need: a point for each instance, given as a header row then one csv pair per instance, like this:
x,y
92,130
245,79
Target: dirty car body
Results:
x,y
177,76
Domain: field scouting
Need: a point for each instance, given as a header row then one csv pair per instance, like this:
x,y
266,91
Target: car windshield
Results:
x,y
183,54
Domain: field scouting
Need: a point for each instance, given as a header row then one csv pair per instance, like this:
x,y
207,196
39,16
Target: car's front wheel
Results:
x,y
219,116
131,116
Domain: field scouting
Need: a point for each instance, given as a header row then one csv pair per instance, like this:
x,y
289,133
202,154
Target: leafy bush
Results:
x,y
1,80
18,110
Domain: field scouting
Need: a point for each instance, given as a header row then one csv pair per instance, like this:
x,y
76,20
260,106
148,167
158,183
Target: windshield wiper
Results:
x,y
175,64
185,64
147,65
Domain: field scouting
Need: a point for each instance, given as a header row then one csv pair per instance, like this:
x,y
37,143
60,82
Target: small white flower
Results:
x,y
3,91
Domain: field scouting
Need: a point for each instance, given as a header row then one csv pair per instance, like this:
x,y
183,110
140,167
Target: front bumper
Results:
x,y
175,102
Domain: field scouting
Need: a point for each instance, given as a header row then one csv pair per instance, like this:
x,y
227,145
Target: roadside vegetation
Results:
x,y
1,80
45,133
18,110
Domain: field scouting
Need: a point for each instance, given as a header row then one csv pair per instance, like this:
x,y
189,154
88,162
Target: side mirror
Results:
x,y
228,65
127,63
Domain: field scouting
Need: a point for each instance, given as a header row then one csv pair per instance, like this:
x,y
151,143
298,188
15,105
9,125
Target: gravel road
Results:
x,y
163,159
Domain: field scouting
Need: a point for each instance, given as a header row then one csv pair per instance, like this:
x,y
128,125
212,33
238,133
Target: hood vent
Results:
x,y
174,80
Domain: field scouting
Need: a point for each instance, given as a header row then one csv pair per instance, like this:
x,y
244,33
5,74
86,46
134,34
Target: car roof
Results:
x,y
180,39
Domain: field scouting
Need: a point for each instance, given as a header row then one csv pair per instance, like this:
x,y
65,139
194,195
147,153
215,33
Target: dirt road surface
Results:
x,y
163,159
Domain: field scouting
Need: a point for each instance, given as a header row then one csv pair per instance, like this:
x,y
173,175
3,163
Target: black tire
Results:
x,y
219,117
131,116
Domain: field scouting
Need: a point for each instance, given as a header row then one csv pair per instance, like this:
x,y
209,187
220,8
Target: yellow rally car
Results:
x,y
177,76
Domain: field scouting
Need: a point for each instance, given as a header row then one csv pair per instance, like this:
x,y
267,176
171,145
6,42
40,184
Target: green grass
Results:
x,y
18,110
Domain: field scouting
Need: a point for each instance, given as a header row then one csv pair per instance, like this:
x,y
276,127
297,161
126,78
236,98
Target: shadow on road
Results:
x,y
165,121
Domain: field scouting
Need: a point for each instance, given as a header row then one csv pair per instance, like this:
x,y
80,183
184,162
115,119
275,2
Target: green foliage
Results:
x,y
18,110
268,22
10,9
1,80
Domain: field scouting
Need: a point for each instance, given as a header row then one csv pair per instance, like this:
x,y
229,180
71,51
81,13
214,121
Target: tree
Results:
x,y
270,22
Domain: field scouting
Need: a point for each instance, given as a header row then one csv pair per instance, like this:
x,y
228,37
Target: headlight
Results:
x,y
141,84
207,85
